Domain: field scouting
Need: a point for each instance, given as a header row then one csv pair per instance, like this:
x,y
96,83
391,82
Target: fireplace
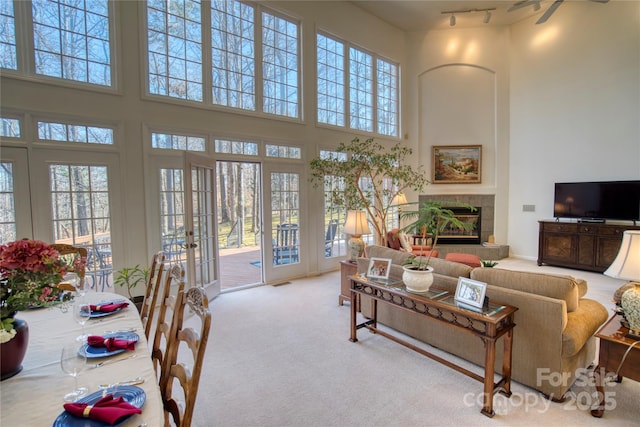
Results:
x,y
485,204
454,235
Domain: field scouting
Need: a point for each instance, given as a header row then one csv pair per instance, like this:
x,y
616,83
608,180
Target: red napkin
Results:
x,y
107,409
109,307
111,343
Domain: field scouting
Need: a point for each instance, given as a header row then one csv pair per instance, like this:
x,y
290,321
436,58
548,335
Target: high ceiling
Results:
x,y
420,15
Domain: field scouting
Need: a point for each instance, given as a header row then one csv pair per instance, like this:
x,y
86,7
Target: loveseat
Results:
x,y
555,325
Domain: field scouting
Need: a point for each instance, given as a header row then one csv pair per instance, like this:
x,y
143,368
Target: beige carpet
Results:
x,y
280,356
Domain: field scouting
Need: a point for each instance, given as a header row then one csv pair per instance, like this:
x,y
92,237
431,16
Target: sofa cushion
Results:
x,y
396,256
468,259
393,239
582,324
404,242
554,286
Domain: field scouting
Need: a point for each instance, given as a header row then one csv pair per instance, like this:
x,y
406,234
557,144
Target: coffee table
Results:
x,y
489,325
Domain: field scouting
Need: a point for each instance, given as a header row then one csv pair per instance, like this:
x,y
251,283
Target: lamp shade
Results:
x,y
356,223
627,262
399,199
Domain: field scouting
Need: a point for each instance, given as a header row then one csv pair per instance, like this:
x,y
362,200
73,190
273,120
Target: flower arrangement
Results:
x,y
30,271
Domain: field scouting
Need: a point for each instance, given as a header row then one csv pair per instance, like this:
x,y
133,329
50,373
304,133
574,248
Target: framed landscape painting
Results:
x,y
457,164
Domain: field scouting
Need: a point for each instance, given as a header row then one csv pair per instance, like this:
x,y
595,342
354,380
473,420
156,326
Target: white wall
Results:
x,y
575,107
461,97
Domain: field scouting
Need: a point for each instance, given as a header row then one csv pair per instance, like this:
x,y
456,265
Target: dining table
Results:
x,y
35,396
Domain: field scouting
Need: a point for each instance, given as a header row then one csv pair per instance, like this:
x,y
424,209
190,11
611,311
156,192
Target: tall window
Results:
x,y
280,66
71,40
175,48
330,54
360,90
67,39
232,55
172,219
372,87
8,56
7,205
177,60
334,217
81,215
285,216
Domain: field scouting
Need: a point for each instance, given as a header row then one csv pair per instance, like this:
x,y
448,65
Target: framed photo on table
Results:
x,y
457,164
379,268
470,293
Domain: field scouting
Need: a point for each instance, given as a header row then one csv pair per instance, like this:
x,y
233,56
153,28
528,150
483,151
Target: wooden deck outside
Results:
x,y
236,268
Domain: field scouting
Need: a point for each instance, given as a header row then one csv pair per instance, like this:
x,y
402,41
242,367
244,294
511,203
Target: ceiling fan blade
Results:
x,y
521,4
547,14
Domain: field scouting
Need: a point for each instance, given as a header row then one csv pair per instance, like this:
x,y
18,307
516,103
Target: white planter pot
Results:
x,y
417,280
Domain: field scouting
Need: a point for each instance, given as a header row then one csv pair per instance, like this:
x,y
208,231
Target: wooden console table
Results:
x,y
581,245
613,345
439,306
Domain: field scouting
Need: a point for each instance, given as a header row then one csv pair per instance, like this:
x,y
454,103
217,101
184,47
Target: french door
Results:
x,y
201,235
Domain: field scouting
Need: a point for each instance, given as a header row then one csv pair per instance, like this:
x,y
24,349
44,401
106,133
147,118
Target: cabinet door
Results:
x,y
586,250
607,250
559,247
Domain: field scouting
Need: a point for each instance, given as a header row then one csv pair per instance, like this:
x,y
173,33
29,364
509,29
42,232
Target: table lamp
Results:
x,y
399,199
356,225
627,266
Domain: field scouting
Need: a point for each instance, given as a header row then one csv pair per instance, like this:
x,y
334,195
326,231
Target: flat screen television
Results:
x,y
615,200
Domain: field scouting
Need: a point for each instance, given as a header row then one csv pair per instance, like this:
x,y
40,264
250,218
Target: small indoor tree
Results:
x,y
372,176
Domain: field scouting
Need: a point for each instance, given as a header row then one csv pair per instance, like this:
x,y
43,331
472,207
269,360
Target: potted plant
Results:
x,y
429,220
129,278
371,176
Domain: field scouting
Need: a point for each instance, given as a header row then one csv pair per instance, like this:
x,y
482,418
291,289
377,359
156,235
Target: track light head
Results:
x,y
487,17
536,6
452,21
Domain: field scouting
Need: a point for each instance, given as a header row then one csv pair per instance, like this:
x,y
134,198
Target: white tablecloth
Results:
x,y
34,397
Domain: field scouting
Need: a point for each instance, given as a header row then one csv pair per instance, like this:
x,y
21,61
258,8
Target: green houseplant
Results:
x,y
370,175
430,219
129,278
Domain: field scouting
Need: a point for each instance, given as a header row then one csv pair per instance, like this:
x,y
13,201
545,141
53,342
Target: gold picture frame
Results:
x,y
456,164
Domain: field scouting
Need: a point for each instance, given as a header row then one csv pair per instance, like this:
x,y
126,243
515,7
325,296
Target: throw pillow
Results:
x,y
404,242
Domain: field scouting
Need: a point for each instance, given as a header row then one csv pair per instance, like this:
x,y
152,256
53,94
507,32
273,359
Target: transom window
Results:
x,y
283,151
236,147
9,128
63,132
178,142
368,84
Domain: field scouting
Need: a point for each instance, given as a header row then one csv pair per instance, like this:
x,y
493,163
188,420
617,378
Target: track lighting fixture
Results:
x,y
453,13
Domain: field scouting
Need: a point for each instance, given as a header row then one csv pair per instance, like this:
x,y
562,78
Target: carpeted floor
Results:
x,y
280,356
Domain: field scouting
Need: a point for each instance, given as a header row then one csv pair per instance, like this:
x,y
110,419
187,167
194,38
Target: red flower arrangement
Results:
x,y
30,271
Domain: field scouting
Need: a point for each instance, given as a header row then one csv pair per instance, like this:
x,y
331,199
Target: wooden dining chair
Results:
x,y
183,363
70,255
174,278
154,283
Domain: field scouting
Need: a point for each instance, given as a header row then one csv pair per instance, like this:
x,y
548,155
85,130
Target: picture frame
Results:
x,y
456,164
470,293
379,268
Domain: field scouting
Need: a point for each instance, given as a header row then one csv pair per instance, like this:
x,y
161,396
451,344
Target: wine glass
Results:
x,y
72,363
81,313
78,283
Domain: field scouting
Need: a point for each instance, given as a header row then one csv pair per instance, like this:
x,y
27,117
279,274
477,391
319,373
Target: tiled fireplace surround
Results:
x,y
487,204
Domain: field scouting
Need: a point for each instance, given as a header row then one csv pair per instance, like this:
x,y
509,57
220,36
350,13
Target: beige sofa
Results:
x,y
555,325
